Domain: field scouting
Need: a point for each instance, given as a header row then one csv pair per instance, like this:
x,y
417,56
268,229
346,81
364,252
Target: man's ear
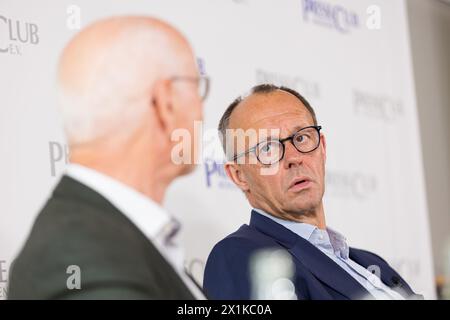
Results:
x,y
324,146
162,104
235,173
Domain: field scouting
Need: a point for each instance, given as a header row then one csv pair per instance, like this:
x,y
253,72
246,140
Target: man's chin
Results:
x,y
303,209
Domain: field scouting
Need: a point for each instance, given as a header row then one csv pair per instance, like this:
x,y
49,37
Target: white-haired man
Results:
x,y
125,83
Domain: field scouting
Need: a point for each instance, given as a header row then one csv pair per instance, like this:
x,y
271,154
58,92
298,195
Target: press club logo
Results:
x,y
17,34
330,15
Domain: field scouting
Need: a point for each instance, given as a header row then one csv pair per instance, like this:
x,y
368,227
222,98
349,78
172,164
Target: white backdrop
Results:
x,y
360,82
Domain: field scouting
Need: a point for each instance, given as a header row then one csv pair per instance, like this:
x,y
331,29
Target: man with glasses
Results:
x,y
281,173
125,84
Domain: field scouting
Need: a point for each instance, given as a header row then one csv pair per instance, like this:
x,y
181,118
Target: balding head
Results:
x,y
107,72
126,85
240,112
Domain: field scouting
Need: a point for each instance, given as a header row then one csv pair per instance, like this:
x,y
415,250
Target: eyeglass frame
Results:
x,y
197,79
281,141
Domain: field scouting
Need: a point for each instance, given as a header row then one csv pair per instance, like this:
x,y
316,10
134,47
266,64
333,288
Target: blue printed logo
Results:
x,y
330,15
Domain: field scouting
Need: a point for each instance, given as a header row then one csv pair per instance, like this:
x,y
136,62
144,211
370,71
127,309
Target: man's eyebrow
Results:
x,y
297,128
291,132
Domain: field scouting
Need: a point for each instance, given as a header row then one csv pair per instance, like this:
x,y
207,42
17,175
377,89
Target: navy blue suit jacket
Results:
x,y
317,277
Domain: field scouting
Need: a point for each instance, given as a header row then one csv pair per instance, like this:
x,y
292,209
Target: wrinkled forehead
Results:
x,y
275,110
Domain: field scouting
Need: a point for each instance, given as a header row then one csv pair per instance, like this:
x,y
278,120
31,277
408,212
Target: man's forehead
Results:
x,y
270,110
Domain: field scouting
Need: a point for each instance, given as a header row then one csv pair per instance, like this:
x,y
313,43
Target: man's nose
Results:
x,y
292,157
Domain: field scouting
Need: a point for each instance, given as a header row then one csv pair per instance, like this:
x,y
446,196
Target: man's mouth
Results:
x,y
300,183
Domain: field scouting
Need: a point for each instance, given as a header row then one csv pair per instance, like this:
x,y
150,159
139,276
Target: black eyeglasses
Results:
x,y
272,151
201,81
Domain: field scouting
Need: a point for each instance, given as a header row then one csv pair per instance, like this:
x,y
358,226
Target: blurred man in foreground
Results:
x,y
125,85
282,177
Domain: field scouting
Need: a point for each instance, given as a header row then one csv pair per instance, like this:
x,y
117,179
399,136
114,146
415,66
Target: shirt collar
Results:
x,y
304,230
328,240
146,214
339,243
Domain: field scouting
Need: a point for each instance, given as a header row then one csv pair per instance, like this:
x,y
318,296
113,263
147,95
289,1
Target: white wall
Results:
x,y
429,22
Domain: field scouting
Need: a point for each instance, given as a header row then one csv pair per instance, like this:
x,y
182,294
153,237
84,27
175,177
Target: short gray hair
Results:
x,y
259,89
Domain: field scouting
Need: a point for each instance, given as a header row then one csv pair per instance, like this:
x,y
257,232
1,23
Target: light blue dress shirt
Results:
x,y
334,245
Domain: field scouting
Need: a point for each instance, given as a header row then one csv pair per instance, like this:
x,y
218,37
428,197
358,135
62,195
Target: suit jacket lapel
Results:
x,y
387,275
323,268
